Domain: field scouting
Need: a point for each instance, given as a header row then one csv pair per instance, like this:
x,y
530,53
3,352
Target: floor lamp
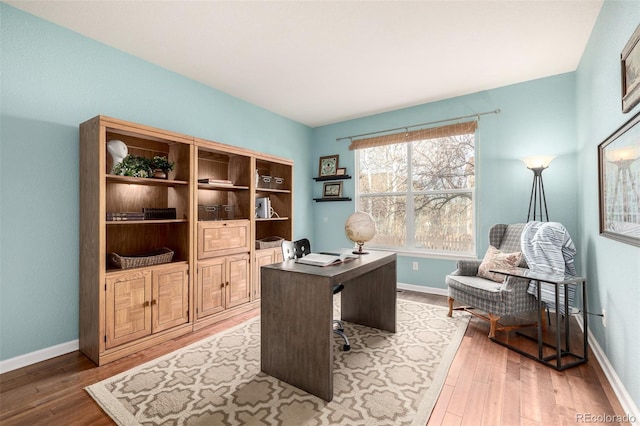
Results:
x,y
537,200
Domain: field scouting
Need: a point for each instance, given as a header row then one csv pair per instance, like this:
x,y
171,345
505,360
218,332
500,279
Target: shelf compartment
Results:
x,y
122,197
273,228
275,170
240,199
133,238
148,146
213,164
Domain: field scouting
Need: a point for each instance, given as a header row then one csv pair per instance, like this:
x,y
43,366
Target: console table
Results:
x,y
560,283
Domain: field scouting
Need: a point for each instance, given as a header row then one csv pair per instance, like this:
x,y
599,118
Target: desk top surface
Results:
x,y
372,260
540,276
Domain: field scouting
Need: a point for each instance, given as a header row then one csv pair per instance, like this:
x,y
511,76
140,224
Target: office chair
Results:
x,y
298,249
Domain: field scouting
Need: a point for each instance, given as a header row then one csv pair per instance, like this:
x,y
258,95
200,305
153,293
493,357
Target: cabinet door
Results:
x,y
238,284
263,257
220,238
210,287
128,310
170,303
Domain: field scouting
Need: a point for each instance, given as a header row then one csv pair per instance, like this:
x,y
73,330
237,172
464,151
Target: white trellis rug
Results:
x,y
385,378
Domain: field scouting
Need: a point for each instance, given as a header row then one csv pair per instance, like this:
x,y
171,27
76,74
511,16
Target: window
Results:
x,y
419,188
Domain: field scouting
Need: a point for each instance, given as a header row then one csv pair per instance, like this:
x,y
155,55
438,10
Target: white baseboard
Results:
x,y
628,405
422,289
38,356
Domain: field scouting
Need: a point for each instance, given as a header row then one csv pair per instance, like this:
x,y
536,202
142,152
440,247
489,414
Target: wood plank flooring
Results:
x,y
487,384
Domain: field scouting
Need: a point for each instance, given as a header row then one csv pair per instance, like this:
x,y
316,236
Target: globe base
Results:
x,y
360,251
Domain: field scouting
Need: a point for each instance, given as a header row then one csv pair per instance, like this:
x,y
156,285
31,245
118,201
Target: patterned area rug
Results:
x,y
385,379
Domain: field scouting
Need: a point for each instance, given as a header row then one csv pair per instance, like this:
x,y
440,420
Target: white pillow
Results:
x,y
495,259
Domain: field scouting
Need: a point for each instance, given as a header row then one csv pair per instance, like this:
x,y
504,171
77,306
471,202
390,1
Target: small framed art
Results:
x,y
332,190
341,171
328,165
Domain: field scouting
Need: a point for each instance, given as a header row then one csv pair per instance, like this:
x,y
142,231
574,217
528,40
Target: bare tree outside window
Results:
x,y
421,194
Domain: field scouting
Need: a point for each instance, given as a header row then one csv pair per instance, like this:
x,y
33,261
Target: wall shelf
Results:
x,y
337,177
330,178
319,200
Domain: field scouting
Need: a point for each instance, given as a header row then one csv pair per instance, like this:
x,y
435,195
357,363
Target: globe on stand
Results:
x,y
360,228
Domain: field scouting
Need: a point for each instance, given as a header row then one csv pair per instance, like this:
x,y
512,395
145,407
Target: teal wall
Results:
x,y
613,268
536,118
52,80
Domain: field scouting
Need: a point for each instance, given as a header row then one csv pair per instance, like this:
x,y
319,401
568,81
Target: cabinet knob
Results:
x,y
146,303
154,302
222,285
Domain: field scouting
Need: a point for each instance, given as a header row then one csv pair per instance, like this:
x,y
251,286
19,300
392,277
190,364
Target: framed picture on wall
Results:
x,y
332,190
619,180
630,67
328,165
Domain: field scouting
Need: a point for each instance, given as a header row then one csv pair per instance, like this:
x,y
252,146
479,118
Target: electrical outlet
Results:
x,y
415,266
604,317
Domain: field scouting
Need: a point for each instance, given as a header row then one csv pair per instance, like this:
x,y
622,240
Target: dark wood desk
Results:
x,y
297,314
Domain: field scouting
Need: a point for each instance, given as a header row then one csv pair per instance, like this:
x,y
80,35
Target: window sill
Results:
x,y
427,255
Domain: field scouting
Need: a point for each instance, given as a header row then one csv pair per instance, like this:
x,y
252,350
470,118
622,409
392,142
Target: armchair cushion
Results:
x,y
495,259
477,288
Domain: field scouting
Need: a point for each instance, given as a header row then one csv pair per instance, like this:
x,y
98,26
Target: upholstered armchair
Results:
x,y
492,299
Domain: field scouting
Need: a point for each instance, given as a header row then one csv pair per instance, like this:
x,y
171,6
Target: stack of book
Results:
x,y
212,181
151,213
112,216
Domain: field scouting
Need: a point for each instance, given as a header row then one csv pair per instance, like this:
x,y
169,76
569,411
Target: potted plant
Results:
x,y
161,166
133,165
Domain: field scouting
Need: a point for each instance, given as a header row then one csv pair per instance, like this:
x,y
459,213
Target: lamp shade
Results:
x,y
538,161
623,154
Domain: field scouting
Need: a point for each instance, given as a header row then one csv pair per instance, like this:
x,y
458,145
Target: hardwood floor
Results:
x,y
487,384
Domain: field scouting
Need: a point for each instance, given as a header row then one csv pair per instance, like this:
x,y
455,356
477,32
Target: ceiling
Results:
x,y
321,62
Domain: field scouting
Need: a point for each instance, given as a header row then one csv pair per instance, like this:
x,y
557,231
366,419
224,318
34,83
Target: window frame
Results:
x,y
410,193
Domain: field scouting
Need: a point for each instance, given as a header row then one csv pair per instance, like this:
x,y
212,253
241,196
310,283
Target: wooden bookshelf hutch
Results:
x,y
215,270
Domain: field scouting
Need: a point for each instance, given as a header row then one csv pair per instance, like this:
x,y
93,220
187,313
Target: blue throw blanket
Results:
x,y
548,248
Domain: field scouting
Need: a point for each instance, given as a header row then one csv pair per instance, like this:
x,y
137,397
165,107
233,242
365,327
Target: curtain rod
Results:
x,y
496,111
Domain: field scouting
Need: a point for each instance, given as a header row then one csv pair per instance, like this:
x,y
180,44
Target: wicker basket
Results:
x,y
156,257
269,242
